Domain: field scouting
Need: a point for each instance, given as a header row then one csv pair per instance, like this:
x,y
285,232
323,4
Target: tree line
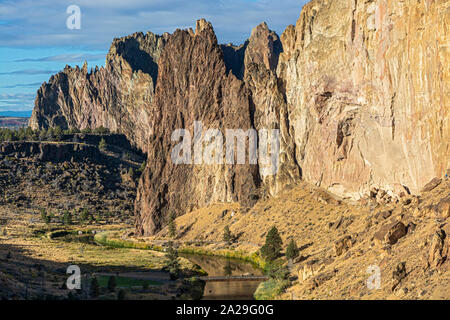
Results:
x,y
50,134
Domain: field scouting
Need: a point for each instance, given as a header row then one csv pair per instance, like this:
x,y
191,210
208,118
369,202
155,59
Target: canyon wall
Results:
x,y
358,90
367,85
117,96
193,85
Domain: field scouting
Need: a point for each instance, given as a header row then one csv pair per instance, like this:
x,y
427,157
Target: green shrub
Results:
x,y
57,132
172,264
270,289
102,144
276,270
101,130
67,218
43,134
44,217
142,167
292,251
84,215
131,173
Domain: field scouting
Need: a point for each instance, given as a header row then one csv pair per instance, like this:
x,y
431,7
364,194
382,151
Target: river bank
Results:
x,y
215,262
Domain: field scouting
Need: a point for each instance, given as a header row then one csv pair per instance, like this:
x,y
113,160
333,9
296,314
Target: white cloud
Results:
x,y
43,23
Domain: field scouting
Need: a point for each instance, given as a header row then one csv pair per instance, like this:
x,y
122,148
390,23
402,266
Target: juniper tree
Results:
x,y
172,264
45,218
84,215
227,236
271,250
292,250
67,218
172,225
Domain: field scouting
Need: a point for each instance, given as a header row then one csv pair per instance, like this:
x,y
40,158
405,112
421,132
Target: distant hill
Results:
x,y
13,122
20,114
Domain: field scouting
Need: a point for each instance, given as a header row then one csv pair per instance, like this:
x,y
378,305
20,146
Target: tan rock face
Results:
x,y
366,93
270,108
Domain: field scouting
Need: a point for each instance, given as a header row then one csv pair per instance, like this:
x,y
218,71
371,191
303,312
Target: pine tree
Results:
x,y
67,218
172,225
172,263
84,215
272,248
112,284
292,250
227,236
58,133
43,134
45,217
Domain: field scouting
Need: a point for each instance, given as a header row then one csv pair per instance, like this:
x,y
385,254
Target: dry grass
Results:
x,y
305,214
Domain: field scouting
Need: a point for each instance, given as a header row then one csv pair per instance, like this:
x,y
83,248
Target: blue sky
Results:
x,y
35,42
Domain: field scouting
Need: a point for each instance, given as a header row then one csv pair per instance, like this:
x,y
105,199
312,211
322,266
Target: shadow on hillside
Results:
x,y
26,277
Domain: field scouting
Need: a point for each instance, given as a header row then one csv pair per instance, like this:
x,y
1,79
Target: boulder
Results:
x,y
398,275
438,250
431,185
442,209
343,245
391,232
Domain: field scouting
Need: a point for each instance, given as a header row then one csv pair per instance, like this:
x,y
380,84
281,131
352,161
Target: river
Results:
x,y
226,290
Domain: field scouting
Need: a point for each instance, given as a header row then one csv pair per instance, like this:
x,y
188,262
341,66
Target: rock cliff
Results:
x,y
117,96
367,93
193,85
357,90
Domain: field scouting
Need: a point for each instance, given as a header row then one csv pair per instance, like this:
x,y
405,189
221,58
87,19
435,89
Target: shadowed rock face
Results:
x,y
117,97
193,86
352,111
